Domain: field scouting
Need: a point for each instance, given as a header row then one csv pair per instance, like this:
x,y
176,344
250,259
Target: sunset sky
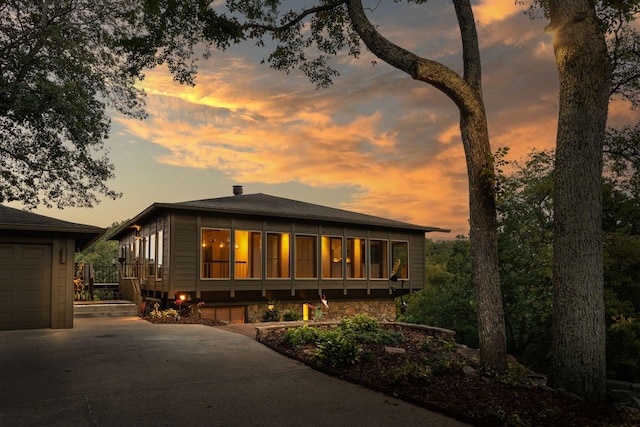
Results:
x,y
375,142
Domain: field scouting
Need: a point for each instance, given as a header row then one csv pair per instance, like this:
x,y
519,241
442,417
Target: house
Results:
x,y
37,268
239,254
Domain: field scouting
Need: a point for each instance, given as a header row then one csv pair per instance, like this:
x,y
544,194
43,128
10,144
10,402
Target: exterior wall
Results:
x,y
417,259
62,275
182,266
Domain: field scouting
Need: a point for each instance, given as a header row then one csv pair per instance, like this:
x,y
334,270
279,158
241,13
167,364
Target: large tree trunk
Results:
x,y
466,93
578,344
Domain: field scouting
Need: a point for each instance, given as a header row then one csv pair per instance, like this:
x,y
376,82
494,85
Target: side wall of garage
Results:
x,y
36,282
62,287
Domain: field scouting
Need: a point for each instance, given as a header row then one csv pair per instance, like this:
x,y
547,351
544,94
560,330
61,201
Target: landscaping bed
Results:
x,y
425,367
428,370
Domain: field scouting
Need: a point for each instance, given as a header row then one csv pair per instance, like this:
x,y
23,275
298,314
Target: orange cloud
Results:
x,y
492,11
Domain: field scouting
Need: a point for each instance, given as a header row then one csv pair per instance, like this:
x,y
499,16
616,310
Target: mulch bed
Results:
x,y
470,398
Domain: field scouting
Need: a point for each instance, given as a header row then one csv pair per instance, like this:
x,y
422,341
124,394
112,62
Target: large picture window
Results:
x,y
306,250
400,255
278,249
331,257
215,253
248,250
356,258
379,259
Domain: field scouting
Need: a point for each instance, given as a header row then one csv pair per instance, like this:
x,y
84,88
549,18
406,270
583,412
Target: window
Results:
x,y
151,263
215,254
248,260
306,249
278,266
144,257
331,257
136,257
159,255
400,256
356,259
378,261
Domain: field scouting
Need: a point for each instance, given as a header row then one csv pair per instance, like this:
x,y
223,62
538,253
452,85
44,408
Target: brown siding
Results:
x,y
416,261
62,269
184,256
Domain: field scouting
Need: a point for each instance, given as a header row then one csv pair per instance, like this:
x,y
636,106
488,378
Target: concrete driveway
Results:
x,y
128,372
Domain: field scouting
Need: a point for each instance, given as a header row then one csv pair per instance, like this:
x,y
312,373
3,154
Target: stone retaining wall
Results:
x,y
383,310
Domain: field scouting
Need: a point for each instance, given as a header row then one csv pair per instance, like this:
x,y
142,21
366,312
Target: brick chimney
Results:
x,y
237,190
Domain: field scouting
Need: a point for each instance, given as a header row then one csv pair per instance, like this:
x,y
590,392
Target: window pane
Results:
x,y
278,266
306,257
159,256
152,255
136,258
248,262
400,252
145,257
379,259
356,259
215,254
331,257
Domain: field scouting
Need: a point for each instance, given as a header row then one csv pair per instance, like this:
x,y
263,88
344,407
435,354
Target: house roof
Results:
x,y
18,222
266,206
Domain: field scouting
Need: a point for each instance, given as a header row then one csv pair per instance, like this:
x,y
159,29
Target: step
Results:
x,y
104,309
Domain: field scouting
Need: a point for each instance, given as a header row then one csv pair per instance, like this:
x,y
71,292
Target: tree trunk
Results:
x,y
578,343
466,93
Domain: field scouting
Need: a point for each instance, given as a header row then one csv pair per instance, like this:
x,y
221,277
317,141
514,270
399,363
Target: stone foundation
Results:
x,y
383,310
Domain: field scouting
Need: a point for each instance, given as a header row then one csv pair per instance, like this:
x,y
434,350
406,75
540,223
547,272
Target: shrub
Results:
x,y
298,337
291,315
334,349
359,323
438,343
159,314
365,329
272,314
407,372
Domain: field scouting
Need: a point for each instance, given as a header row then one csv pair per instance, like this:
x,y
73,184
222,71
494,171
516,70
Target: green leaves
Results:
x,y
58,77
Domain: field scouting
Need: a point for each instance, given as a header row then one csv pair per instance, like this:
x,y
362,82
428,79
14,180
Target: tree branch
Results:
x,y
434,73
296,20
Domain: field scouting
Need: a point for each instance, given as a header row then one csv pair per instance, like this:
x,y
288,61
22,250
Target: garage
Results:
x,y
25,286
37,268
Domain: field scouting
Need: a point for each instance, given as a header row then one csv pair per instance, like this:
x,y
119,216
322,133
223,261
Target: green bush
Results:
x,y
365,329
291,315
407,372
298,337
359,323
334,349
271,315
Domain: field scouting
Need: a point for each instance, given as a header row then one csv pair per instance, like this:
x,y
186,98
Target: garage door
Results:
x,y
25,286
